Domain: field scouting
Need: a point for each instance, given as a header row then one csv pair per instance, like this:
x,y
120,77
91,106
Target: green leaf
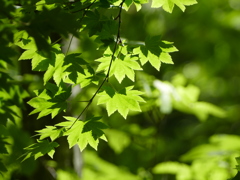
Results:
x,y
52,64
138,3
93,22
155,51
24,41
122,66
51,100
182,171
84,133
95,126
52,70
76,71
127,4
168,5
28,54
7,113
40,148
122,101
50,131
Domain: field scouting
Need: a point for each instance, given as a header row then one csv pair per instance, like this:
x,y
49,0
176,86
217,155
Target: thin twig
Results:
x,y
85,11
118,39
70,42
85,7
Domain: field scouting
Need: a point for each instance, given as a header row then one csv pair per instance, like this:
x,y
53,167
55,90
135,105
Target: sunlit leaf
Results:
x,y
51,100
168,5
50,131
84,133
122,101
122,65
155,51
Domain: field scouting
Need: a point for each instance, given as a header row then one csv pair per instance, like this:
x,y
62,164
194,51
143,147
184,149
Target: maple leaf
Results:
x,y
122,66
39,149
75,70
155,51
51,100
40,62
84,133
122,101
50,131
93,22
168,5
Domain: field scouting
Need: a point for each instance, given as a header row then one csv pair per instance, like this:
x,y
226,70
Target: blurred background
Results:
x,y
189,127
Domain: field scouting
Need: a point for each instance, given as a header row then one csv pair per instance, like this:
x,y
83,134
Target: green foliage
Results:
x,y
51,100
124,64
122,101
105,170
168,5
83,133
155,51
209,161
109,67
181,170
40,148
77,71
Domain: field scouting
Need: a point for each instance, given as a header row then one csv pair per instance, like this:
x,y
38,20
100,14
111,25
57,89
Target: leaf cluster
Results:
x,y
32,26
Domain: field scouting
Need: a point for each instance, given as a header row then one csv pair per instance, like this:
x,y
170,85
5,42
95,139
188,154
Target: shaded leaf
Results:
x,y
40,148
51,100
75,70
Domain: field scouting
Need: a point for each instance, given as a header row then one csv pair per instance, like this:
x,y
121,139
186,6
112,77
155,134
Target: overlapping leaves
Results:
x,y
69,69
168,5
52,132
83,133
40,148
75,70
41,62
77,132
51,100
62,18
155,51
122,101
122,65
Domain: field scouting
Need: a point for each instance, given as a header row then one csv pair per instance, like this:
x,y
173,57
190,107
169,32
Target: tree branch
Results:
x,y
118,39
